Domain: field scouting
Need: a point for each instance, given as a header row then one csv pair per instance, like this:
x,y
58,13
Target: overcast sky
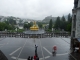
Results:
x,y
35,9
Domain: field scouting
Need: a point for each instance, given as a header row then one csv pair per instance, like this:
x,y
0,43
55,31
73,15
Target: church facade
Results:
x,y
75,33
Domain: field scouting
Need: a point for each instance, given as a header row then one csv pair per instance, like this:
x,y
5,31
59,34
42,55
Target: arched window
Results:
x,y
75,3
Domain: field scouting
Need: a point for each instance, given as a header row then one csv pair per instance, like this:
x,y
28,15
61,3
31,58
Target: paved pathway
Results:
x,y
21,48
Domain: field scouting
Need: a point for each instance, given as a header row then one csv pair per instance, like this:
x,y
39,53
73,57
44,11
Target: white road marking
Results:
x,y
61,54
26,59
47,57
18,58
47,51
15,51
56,54
13,57
21,50
42,50
22,59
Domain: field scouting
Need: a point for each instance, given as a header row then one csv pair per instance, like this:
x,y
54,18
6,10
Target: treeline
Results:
x,y
5,26
28,25
8,24
62,23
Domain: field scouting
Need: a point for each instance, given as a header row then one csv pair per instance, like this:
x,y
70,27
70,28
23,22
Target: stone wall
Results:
x,y
78,3
77,35
78,24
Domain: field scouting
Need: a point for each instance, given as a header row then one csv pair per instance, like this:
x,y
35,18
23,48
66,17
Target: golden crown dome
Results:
x,y
34,27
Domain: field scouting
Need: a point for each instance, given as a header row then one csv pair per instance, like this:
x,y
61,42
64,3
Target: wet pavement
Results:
x,y
21,48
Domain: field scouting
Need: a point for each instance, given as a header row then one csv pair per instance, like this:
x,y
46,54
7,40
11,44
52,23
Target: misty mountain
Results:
x,y
47,19
4,18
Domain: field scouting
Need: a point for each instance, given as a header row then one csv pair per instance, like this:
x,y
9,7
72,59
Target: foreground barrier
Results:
x,y
44,35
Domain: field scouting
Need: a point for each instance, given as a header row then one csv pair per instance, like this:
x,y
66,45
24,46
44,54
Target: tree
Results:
x,y
57,23
1,26
50,24
4,26
39,24
6,22
20,21
8,25
25,25
28,25
69,23
69,27
63,18
69,18
11,21
63,23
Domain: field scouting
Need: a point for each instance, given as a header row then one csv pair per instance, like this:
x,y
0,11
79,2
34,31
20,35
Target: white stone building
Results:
x,y
75,33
